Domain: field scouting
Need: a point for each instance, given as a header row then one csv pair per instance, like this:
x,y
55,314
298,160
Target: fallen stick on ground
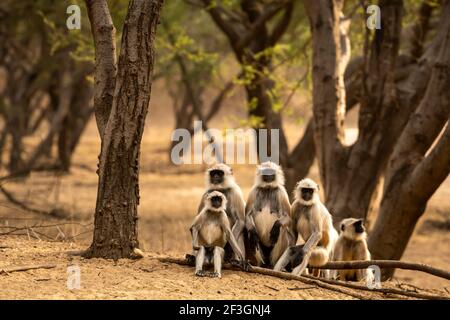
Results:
x,y
394,264
26,268
281,275
382,290
333,285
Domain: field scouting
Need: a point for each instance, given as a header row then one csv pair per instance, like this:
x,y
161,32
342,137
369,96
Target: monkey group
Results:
x,y
268,231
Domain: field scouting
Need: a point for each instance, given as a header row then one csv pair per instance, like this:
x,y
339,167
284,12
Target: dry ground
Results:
x,y
147,278
169,198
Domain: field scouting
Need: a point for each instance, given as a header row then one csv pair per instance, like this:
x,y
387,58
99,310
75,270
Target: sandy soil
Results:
x,y
70,200
147,278
126,279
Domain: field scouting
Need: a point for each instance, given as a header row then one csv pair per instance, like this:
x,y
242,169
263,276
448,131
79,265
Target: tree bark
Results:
x,y
115,225
75,122
246,45
413,175
103,32
351,174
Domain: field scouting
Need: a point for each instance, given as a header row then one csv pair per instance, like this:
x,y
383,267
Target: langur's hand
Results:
x,y
241,263
275,232
298,254
245,265
253,237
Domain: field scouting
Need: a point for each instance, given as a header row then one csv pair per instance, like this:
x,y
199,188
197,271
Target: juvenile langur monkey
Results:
x,y
210,233
220,178
312,223
352,245
267,216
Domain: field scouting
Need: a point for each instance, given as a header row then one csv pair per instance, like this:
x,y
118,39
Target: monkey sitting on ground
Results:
x,y
312,223
210,233
267,217
352,245
220,178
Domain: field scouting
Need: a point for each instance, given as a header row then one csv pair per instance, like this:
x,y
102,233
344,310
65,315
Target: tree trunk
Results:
x,y
413,175
15,155
75,122
246,46
115,226
351,174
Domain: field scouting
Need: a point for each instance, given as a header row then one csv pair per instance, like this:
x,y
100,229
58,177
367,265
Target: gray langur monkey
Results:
x,y
313,227
352,245
210,233
267,217
220,178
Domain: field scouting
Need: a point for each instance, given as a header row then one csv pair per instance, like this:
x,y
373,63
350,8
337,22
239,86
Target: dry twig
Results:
x,y
26,268
333,285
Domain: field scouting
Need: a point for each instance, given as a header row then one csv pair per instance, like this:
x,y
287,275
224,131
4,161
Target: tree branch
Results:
x,y
26,268
387,264
320,282
224,25
280,29
256,27
433,169
103,32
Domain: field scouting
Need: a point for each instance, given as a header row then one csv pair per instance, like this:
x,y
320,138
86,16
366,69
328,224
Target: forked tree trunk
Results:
x,y
350,174
115,227
249,48
413,175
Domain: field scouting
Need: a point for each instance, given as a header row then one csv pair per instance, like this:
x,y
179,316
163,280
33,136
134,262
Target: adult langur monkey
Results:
x,y
311,222
267,217
210,233
352,245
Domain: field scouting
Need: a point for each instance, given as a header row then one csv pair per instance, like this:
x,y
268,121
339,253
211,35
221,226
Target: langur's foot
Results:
x,y
201,273
215,275
190,259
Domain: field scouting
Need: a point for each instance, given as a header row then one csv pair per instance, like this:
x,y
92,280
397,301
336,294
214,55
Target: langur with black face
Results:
x,y
351,246
314,231
220,178
210,233
267,217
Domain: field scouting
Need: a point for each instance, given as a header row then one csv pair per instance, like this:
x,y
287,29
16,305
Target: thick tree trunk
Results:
x,y
351,174
115,227
327,95
302,157
412,176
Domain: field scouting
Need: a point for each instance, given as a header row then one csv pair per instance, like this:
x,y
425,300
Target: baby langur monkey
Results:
x,y
312,223
352,245
210,233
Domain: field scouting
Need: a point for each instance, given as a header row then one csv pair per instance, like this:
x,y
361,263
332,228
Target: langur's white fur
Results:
x,y
351,246
267,167
312,219
310,184
212,194
228,178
